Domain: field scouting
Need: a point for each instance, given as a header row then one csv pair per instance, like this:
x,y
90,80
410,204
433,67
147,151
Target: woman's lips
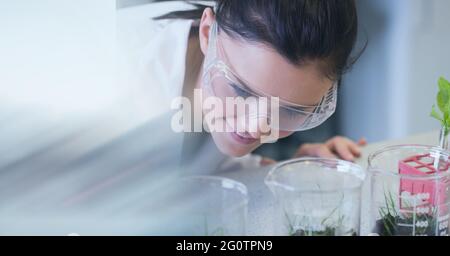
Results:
x,y
239,138
242,139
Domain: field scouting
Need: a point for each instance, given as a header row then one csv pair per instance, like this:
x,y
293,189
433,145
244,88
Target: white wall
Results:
x,y
390,91
57,56
430,59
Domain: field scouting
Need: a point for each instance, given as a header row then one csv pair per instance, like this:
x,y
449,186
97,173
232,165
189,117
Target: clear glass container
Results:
x,y
317,197
410,191
211,206
443,138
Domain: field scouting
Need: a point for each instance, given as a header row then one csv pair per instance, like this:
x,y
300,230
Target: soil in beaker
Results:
x,y
396,226
329,231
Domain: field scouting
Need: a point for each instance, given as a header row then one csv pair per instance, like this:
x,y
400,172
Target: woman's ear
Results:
x,y
206,23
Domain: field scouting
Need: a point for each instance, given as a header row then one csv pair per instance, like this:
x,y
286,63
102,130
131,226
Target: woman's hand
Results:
x,y
337,147
265,161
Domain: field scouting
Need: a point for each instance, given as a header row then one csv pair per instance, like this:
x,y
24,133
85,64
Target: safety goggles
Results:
x,y
223,83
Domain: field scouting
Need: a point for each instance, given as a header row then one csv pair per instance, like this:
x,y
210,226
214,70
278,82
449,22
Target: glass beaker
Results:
x,y
317,197
211,206
443,138
410,191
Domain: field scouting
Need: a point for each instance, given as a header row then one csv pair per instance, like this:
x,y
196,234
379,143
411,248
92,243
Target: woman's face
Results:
x,y
264,70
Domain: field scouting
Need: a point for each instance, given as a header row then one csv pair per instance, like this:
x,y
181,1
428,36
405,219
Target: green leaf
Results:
x,y
442,100
443,103
435,114
444,84
443,97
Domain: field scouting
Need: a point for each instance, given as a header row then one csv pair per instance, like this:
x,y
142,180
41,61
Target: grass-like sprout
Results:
x,y
301,226
394,223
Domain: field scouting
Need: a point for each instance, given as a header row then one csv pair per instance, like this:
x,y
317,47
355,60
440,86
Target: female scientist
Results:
x,y
296,50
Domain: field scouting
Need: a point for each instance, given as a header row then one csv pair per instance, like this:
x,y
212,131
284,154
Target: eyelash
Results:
x,y
239,91
291,114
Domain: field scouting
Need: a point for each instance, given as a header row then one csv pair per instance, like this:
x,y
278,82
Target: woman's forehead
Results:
x,y
265,70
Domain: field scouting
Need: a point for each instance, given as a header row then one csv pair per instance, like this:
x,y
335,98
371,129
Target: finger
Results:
x,y
344,151
304,150
267,161
325,152
355,148
315,150
362,142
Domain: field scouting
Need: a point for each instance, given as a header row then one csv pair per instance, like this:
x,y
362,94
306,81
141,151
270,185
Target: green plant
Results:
x,y
394,223
301,226
443,103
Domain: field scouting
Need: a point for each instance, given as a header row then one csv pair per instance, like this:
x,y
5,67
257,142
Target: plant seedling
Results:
x,y
396,222
423,215
443,103
302,227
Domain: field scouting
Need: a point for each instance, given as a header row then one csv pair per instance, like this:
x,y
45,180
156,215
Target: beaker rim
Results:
x,y
224,183
378,170
360,175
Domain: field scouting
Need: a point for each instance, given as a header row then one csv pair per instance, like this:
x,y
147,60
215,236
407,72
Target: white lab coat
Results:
x,y
152,57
